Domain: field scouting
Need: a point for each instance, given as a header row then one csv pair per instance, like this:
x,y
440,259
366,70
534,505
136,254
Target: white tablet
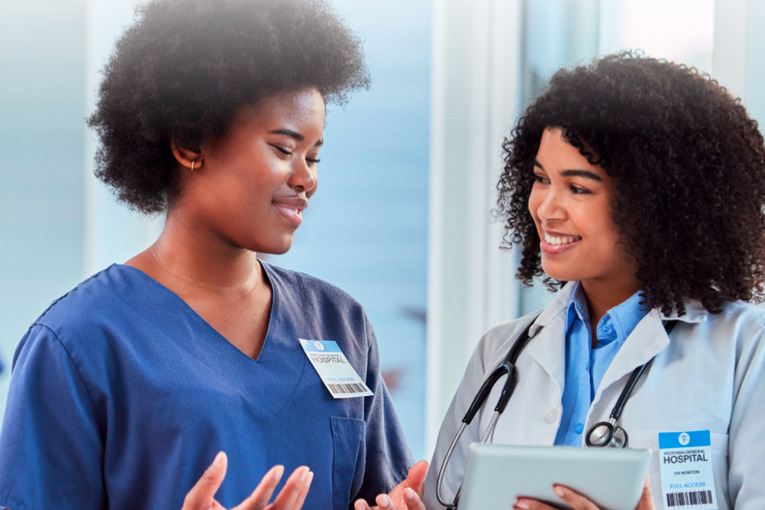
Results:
x,y
496,475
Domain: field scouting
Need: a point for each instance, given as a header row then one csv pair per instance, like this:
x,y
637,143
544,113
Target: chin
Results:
x,y
557,274
276,248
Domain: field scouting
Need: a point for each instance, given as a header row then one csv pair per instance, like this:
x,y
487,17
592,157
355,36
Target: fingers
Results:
x,y
361,504
384,502
304,492
416,477
531,504
646,498
201,496
262,493
412,499
576,500
295,490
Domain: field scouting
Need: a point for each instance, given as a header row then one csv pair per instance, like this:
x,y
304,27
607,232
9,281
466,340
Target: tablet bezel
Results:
x,y
496,475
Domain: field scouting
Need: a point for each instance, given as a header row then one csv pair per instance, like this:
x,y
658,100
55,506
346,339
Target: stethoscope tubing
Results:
x,y
507,367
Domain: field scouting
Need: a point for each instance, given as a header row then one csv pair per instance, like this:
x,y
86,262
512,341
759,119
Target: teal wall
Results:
x,y
42,106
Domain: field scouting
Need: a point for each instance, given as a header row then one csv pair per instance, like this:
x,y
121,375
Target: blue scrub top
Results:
x,y
121,395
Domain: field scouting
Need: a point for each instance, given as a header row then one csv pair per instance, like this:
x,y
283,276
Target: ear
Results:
x,y
186,157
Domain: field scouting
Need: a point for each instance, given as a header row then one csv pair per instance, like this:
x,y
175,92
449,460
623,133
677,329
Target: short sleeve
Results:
x,y
50,444
387,457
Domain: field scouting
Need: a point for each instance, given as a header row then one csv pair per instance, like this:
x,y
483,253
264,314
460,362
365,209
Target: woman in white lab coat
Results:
x,y
635,189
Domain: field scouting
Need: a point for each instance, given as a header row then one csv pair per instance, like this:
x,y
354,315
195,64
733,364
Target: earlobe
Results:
x,y
188,158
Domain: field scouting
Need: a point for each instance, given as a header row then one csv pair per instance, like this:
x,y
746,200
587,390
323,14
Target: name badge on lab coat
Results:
x,y
687,478
333,368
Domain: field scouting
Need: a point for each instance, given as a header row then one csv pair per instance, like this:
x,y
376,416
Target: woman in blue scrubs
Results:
x,y
128,387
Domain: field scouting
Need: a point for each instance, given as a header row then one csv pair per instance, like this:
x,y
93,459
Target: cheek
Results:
x,y
609,240
533,203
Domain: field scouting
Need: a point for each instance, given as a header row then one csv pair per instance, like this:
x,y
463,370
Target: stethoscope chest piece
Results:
x,y
607,434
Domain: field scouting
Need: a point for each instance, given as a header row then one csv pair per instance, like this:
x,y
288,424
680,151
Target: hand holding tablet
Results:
x,y
497,475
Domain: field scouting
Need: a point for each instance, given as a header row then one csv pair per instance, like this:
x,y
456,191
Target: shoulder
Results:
x,y
733,337
737,321
99,311
743,324
743,313
307,305
309,290
100,293
497,341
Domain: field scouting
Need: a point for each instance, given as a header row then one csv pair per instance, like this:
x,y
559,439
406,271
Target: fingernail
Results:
x,y
522,505
559,491
218,459
304,474
409,493
384,501
309,479
277,472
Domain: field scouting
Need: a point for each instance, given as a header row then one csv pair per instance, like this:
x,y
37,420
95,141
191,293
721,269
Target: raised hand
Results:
x,y
405,496
291,497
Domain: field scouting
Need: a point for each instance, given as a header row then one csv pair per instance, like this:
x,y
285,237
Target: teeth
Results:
x,y
557,240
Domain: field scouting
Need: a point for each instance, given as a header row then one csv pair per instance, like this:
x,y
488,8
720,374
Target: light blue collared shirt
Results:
x,y
585,366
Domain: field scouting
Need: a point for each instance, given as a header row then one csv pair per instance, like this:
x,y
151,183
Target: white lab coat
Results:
x,y
709,376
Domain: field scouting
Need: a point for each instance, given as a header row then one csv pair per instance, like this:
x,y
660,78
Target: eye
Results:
x,y
313,160
577,190
541,179
284,150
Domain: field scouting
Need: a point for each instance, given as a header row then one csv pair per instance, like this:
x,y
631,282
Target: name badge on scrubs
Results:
x,y
687,478
333,368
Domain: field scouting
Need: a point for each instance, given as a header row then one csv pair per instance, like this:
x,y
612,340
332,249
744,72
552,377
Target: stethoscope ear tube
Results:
x,y
507,367
483,392
507,389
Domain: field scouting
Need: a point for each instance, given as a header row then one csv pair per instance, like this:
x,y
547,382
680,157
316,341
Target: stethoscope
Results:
x,y
602,434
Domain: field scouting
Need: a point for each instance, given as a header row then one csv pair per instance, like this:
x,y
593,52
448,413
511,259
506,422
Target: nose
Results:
x,y
304,177
547,204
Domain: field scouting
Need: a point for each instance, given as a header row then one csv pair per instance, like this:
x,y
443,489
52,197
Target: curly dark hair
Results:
x,y
688,166
185,66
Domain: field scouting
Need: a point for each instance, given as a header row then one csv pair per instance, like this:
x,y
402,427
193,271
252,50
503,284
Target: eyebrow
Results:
x,y
587,174
295,135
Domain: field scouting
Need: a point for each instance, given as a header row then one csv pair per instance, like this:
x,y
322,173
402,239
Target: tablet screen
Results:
x,y
496,475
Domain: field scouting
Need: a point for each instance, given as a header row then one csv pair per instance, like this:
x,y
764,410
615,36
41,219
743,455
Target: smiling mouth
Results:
x,y
290,211
559,240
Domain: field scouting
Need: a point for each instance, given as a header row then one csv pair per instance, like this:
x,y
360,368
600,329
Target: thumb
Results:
x,y
200,497
415,479
646,498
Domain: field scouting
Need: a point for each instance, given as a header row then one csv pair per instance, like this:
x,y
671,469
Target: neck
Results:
x,y
602,298
187,260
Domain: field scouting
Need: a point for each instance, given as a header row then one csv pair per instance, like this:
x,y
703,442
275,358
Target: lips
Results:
x,y
291,208
553,242
558,239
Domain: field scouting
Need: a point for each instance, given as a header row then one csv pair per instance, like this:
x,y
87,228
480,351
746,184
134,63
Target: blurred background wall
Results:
x,y
402,220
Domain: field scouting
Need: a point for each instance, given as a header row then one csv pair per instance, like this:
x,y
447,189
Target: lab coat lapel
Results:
x,y
548,345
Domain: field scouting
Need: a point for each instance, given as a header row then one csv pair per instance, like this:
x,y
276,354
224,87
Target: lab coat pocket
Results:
x,y
719,445
347,444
